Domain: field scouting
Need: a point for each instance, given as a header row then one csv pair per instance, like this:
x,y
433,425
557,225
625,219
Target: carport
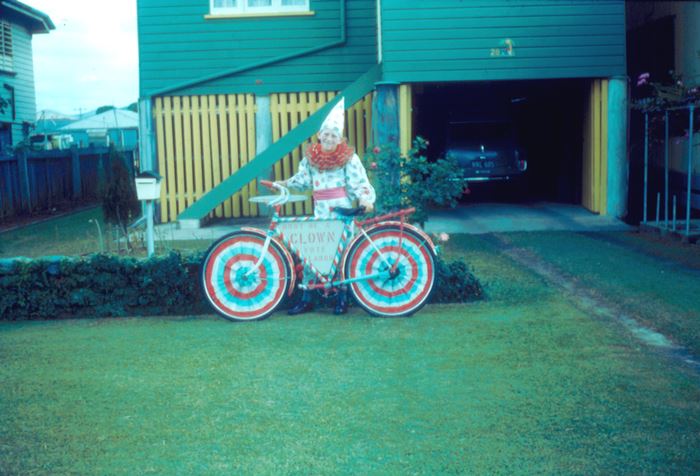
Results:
x,y
547,118
557,71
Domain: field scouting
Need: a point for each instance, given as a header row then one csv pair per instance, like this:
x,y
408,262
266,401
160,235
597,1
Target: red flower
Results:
x,y
376,150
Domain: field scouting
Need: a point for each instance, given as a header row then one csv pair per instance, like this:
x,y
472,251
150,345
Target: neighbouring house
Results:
x,y
231,89
115,126
18,22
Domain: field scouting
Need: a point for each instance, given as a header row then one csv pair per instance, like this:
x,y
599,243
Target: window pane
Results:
x,y
293,3
259,3
224,3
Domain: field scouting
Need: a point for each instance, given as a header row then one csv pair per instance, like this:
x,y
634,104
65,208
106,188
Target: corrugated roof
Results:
x,y
112,119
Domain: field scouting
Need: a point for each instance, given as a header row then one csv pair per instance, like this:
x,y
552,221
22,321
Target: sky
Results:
x,y
90,59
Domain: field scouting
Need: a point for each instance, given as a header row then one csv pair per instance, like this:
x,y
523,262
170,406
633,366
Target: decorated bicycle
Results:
x,y
388,264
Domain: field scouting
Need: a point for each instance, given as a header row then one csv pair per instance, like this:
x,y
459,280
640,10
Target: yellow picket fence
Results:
x,y
201,140
289,109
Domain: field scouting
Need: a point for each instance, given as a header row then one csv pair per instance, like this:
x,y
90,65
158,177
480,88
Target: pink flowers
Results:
x,y
643,79
376,150
373,166
442,237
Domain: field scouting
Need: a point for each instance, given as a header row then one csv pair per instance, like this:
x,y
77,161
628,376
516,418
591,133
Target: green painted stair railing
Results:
x,y
266,159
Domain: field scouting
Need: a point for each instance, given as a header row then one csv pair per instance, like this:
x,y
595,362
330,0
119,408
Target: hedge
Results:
x,y
108,285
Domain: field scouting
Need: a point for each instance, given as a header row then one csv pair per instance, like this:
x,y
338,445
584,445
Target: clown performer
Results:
x,y
334,172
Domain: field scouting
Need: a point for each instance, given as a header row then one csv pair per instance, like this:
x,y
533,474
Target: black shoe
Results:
x,y
341,306
301,307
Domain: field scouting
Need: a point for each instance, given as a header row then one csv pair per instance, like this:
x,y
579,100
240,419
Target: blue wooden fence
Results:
x,y
36,181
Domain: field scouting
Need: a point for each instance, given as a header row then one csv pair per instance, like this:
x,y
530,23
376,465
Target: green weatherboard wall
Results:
x,y
454,40
440,40
177,44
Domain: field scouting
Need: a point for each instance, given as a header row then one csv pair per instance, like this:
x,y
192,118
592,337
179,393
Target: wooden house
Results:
x,y
18,22
231,89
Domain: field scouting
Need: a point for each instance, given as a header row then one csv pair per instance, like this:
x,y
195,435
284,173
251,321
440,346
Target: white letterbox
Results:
x,y
148,185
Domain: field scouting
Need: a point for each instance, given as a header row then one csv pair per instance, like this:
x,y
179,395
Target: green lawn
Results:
x,y
523,382
72,234
658,282
76,234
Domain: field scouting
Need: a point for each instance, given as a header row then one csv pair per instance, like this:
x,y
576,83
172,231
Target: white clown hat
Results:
x,y
336,118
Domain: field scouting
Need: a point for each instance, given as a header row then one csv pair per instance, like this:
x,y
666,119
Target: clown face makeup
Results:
x,y
329,139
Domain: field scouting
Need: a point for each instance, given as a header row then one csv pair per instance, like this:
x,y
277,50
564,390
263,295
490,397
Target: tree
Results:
x,y
102,109
119,203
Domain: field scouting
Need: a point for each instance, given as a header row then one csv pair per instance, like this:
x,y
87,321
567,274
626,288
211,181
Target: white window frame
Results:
x,y
242,8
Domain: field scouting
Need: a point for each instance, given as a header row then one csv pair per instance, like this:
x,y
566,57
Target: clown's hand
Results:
x,y
369,207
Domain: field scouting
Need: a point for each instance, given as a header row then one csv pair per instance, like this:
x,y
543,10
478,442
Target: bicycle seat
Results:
x,y
349,212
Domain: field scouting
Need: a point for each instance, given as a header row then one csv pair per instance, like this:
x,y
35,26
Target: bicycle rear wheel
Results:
x,y
234,287
409,289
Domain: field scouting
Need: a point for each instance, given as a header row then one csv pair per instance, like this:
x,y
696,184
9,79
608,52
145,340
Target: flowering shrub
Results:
x,y
659,97
412,180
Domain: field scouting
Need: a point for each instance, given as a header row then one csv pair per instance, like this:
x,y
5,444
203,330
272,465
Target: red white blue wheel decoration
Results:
x,y
408,289
234,286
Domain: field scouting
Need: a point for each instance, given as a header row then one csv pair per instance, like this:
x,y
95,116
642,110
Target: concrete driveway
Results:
x,y
477,218
466,218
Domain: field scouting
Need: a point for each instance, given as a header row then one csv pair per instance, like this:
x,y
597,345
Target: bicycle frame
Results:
x,y
387,264
325,280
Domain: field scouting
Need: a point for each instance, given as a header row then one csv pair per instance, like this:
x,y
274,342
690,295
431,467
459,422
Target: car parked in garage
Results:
x,y
486,150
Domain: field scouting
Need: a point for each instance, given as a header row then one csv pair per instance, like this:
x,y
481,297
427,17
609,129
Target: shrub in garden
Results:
x,y
413,180
119,203
108,285
99,286
455,283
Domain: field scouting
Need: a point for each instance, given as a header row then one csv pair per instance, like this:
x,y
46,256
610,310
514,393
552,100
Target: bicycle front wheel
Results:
x,y
409,288
235,288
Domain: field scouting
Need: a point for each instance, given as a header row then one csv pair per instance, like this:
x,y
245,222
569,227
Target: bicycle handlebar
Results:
x,y
282,198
